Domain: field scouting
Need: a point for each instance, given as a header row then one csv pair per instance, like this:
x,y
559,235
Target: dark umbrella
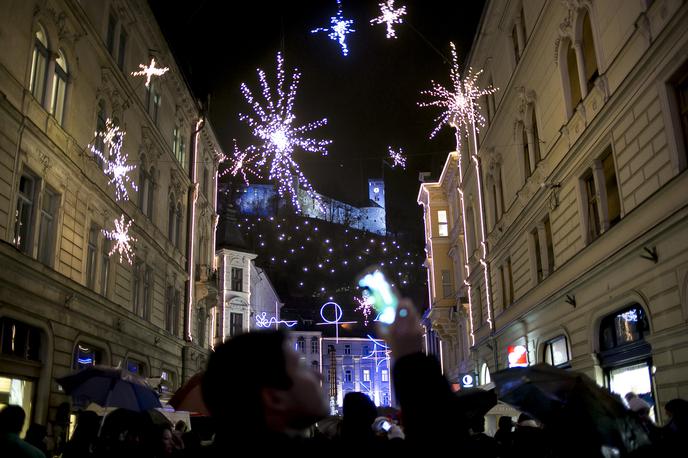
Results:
x,y
189,396
572,404
110,387
470,403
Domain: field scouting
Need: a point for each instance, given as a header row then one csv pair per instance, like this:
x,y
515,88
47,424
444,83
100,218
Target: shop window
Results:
x,y
557,352
18,392
19,340
623,328
86,355
136,367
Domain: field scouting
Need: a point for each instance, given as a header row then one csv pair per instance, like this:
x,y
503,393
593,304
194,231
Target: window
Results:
x,y
572,76
235,323
148,279
24,222
122,48
100,127
550,245
171,218
527,170
39,65
366,375
153,101
146,191
314,345
206,180
442,224
91,256
237,279
347,375
136,289
478,305
506,283
491,106
470,230
178,227
57,99
105,267
681,90
86,355
514,43
535,136
365,351
384,375
171,311
135,366
447,289
592,210
301,344
20,340
624,327
201,319
347,349
589,58
110,38
557,352
315,366
179,146
612,190
48,228
537,256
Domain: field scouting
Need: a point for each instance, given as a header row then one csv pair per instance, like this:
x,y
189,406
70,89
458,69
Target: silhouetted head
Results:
x,y
505,423
256,382
12,419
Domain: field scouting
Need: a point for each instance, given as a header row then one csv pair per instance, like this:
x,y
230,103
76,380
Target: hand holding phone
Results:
x,y
382,295
385,426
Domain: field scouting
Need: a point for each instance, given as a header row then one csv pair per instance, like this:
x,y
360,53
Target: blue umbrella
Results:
x,y
110,387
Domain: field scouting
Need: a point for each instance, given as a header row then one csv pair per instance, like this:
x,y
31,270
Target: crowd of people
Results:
x,y
260,396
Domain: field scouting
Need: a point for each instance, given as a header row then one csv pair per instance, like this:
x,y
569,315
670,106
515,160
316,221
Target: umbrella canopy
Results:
x,y
189,396
568,401
110,387
471,403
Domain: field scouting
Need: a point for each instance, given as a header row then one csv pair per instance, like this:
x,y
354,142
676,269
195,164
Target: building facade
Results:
x,y
65,303
571,249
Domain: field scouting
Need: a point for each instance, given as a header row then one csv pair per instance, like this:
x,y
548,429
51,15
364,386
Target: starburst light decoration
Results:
x,y
339,29
114,160
242,163
149,71
121,238
397,157
272,124
460,102
365,306
389,16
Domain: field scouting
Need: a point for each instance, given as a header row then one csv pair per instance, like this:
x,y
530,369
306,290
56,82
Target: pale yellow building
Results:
x,y
65,67
582,199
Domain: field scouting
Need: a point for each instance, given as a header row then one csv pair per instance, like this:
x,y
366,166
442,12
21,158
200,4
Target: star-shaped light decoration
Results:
x,y
242,163
150,70
115,161
121,238
339,29
397,157
365,306
389,16
460,102
273,126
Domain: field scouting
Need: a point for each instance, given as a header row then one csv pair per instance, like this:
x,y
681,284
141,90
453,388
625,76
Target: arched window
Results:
x,y
301,345
201,325
86,355
146,191
314,345
624,327
572,76
178,226
171,220
535,135
589,57
39,65
57,99
485,376
525,153
556,352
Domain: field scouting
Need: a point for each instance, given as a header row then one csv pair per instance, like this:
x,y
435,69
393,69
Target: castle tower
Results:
x,y
376,191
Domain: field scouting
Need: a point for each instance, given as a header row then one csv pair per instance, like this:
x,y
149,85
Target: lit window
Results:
x,y
347,349
24,218
366,375
91,256
443,225
384,375
57,99
39,65
86,355
347,375
557,352
48,227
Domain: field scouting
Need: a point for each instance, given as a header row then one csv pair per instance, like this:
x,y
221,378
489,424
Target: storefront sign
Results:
x,y
469,380
518,356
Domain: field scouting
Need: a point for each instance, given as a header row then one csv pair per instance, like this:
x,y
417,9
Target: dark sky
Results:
x,y
369,97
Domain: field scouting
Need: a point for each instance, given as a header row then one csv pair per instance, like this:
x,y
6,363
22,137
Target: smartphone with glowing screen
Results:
x,y
381,293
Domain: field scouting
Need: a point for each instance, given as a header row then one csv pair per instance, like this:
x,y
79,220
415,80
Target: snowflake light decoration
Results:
x,y
242,162
115,161
272,125
339,29
460,102
397,157
365,306
149,71
121,238
389,16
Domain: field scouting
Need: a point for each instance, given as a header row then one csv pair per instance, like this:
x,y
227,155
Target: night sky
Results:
x,y
369,97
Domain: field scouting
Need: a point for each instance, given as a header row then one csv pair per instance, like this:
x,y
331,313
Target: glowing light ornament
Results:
x,y
337,317
262,321
339,29
150,71
459,103
272,125
242,163
389,16
121,238
365,306
115,162
397,157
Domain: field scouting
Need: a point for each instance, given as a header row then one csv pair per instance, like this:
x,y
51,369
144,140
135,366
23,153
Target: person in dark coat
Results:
x,y
11,423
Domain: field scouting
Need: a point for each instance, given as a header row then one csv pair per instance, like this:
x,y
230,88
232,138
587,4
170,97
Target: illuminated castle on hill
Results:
x,y
263,200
